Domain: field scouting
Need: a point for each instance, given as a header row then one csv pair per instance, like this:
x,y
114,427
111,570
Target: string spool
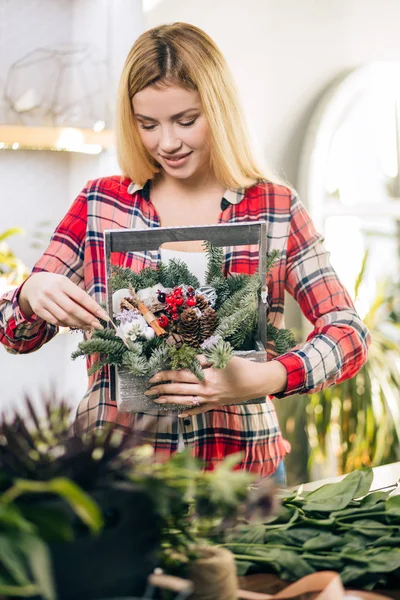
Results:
x,y
214,575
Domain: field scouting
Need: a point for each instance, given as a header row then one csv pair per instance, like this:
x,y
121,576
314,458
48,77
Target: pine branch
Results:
x,y
159,360
185,357
136,364
272,257
215,262
283,339
220,354
97,366
245,331
178,273
245,296
114,349
237,281
221,286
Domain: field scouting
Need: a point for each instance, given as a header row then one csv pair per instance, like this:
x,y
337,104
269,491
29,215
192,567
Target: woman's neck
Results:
x,y
188,187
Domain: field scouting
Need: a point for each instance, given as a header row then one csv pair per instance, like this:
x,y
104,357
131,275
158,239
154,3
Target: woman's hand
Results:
x,y
55,299
240,380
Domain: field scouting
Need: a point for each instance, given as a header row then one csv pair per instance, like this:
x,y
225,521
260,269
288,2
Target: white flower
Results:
x,y
137,328
117,297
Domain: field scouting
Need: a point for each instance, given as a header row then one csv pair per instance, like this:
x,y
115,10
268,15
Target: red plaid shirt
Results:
x,y
335,350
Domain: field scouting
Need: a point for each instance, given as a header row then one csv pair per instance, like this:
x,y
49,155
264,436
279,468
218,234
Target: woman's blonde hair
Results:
x,y
184,55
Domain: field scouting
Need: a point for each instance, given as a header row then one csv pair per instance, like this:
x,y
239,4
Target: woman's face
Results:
x,y
173,129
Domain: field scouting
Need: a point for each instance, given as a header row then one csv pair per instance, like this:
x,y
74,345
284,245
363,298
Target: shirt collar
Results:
x,y
230,196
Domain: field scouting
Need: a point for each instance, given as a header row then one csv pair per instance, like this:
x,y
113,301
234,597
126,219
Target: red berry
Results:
x,y
170,299
175,316
179,301
190,290
163,321
178,291
191,301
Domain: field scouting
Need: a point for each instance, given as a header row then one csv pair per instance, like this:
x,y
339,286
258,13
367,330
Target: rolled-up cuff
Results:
x,y
296,374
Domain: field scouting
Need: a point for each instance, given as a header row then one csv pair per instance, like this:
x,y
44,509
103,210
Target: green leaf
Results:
x,y
393,506
243,567
39,560
336,496
9,232
13,561
323,541
83,505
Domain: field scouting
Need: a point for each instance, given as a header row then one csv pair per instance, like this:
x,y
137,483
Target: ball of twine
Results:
x,y
214,575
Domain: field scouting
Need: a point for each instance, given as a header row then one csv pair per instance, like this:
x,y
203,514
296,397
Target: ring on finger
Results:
x,y
196,401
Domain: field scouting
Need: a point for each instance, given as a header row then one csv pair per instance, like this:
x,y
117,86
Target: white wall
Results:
x,y
38,186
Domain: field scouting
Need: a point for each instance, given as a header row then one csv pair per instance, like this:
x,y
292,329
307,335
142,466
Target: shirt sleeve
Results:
x,y
338,345
64,256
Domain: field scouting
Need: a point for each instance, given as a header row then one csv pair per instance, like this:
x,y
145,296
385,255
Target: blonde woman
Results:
x,y
185,160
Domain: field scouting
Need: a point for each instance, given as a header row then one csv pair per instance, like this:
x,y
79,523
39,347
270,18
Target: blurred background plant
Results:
x,y
357,423
12,269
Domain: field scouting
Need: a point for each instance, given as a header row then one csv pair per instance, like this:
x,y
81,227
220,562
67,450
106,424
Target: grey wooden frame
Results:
x,y
229,234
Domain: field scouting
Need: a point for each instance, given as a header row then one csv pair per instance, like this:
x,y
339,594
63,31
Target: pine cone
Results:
x,y
174,339
189,327
208,323
128,304
201,302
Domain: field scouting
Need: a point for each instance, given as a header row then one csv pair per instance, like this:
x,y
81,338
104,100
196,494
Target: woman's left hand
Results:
x,y
240,380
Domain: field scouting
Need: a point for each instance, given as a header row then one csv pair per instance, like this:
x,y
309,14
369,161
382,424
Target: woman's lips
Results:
x,y
176,161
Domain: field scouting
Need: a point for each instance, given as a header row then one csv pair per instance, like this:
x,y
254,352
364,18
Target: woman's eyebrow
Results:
x,y
173,117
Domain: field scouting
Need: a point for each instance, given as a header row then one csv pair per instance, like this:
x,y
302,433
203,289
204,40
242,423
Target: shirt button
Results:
x,y
187,422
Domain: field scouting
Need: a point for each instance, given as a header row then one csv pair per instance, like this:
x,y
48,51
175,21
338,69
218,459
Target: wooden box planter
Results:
x,y
128,390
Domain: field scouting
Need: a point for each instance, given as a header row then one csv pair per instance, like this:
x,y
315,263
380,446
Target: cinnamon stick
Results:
x,y
150,319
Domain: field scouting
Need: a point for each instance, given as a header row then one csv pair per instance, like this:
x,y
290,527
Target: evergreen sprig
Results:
x,y
237,281
114,349
244,297
220,354
136,363
283,339
185,357
177,273
215,262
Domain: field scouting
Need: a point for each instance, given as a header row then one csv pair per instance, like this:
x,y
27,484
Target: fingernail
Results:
x,y
150,393
103,315
97,325
182,415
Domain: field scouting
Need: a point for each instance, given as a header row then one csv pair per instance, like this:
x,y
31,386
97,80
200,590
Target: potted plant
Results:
x,y
73,496
90,516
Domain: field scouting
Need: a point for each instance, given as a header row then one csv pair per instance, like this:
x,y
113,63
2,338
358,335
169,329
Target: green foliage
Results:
x,y
177,273
135,362
113,348
237,281
330,528
185,357
283,339
364,410
159,360
123,278
238,325
215,263
246,296
220,354
222,288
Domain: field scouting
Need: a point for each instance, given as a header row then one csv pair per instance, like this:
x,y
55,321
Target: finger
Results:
x,y
178,389
203,361
83,298
70,321
76,313
185,401
181,376
198,410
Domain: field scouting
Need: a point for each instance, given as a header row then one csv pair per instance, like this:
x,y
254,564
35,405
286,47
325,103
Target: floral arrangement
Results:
x,y
163,318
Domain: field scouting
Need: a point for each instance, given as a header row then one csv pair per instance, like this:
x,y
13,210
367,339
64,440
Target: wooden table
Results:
x,y
268,583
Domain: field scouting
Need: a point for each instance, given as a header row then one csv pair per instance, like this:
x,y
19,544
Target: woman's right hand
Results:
x,y
55,299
